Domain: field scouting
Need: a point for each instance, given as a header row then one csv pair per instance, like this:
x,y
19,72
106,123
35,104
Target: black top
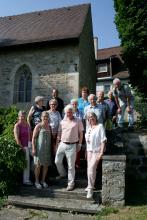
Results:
x,y
36,116
60,105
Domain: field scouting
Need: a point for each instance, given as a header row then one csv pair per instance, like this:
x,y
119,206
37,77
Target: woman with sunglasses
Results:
x,y
54,122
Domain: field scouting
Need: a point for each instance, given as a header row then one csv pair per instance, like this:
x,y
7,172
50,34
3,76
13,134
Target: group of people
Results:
x,y
54,134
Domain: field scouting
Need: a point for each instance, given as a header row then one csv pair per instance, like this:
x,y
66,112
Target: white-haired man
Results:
x,y
70,136
93,107
125,101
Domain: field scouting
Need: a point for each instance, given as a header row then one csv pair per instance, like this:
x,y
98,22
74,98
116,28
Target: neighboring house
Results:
x,y
46,49
109,66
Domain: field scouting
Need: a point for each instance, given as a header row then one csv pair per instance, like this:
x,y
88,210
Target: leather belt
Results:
x,y
70,142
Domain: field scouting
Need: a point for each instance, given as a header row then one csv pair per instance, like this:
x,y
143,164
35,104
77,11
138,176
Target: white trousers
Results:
x,y
92,163
26,171
69,150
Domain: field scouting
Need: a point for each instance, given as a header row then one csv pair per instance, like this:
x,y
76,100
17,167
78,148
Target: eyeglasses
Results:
x,y
53,104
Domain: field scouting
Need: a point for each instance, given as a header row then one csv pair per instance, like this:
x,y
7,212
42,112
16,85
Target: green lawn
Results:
x,y
126,213
136,203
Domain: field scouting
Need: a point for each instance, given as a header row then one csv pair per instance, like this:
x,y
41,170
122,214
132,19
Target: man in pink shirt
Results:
x,y
70,135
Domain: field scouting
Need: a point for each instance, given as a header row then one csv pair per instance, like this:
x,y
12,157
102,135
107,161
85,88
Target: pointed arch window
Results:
x,y
23,85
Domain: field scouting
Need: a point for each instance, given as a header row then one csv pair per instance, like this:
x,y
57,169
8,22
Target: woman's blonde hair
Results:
x,y
92,114
45,114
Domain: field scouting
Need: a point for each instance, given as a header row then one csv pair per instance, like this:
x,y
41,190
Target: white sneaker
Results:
x,y
70,188
86,189
38,186
44,184
89,194
28,183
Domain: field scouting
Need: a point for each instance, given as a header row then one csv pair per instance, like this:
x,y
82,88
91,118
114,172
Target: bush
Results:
x,y
12,159
140,106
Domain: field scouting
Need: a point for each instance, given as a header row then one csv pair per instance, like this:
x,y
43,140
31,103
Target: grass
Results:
x,y
2,201
136,203
126,213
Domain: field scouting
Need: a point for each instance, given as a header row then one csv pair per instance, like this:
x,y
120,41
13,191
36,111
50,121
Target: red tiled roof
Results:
x,y
108,52
48,25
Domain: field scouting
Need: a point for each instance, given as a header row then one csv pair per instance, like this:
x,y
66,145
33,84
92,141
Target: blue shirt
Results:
x,y
112,107
82,103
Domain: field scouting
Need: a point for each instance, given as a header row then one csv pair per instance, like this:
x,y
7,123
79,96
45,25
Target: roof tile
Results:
x,y
48,25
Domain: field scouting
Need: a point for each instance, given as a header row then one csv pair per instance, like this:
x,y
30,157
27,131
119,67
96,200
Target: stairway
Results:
x,y
56,198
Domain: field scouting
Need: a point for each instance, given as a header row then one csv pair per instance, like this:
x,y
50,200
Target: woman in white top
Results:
x,y
95,139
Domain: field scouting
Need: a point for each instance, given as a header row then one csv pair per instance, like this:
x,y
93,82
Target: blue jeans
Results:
x,y
120,119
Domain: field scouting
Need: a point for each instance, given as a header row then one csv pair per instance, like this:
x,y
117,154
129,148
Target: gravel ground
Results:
x,y
15,213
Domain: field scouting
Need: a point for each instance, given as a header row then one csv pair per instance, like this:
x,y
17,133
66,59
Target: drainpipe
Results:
x,y
110,66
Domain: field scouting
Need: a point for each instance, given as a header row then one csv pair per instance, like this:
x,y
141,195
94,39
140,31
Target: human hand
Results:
x,y
128,109
78,147
33,152
114,118
119,110
99,156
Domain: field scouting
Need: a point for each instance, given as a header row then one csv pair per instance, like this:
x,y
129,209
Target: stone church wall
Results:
x,y
50,67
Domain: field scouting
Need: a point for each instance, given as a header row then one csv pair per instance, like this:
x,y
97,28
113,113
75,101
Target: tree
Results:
x,y
131,22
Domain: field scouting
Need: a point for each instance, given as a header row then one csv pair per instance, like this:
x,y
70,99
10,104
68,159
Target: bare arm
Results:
x,y
101,150
80,141
35,135
16,135
80,137
30,115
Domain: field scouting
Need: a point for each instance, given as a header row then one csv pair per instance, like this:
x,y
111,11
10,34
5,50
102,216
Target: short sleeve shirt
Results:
x,y
54,121
123,93
70,130
82,104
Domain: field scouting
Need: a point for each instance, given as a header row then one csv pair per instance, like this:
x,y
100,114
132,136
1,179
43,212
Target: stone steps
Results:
x,y
56,199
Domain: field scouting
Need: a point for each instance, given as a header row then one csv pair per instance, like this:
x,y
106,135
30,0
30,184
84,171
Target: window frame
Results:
x,y
100,65
23,81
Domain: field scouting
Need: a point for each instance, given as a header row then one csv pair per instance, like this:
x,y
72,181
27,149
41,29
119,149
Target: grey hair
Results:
x,y
92,95
116,80
68,107
92,114
73,100
53,100
38,98
110,91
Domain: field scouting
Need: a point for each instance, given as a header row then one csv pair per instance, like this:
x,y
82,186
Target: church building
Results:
x,y
44,50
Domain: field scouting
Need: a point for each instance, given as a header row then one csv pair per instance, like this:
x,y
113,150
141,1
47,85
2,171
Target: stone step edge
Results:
x,y
57,193
73,210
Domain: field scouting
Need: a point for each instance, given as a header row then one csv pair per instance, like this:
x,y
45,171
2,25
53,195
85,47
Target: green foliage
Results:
x,y
2,201
8,118
131,22
12,159
106,211
140,106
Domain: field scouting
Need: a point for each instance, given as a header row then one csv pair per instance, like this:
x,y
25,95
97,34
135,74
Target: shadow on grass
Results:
x,y
136,192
